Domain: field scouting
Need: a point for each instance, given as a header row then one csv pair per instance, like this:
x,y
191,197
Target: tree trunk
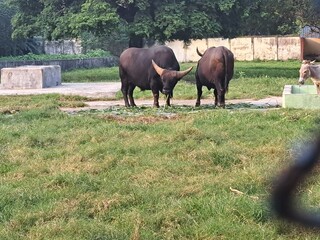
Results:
x,y
135,41
127,13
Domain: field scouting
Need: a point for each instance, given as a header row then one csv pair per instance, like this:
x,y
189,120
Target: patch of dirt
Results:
x,y
101,105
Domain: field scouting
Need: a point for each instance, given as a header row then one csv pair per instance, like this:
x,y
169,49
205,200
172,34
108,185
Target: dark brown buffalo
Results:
x,y
215,70
155,69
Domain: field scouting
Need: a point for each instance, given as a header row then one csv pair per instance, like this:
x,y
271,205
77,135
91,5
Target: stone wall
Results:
x,y
67,64
63,47
244,48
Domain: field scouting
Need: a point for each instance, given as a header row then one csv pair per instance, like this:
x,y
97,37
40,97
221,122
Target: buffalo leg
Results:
x,y
221,99
124,90
215,92
155,98
168,100
130,93
199,94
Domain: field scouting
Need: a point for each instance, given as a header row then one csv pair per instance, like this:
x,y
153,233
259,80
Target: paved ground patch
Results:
x,y
93,90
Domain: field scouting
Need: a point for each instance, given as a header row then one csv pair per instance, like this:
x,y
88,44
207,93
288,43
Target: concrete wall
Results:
x,y
289,48
63,47
244,49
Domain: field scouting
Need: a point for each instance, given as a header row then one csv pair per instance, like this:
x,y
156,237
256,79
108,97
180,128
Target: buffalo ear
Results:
x,y
158,69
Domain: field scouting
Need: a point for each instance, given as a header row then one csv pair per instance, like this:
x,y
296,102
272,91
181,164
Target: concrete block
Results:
x,y
31,77
303,97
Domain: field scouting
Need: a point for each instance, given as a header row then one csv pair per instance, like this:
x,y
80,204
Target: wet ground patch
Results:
x,y
148,114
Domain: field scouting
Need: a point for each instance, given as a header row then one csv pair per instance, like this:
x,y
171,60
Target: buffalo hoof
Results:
x,y
131,106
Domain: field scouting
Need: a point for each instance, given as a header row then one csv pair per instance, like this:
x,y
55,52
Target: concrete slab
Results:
x,y
30,77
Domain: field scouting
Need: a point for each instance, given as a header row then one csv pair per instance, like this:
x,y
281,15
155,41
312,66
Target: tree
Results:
x,y
56,19
158,19
275,16
308,14
8,46
5,25
174,19
162,20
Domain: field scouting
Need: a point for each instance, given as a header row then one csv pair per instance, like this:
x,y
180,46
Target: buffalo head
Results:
x,y
169,78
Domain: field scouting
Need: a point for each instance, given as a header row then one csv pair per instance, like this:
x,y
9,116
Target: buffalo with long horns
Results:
x,y
155,69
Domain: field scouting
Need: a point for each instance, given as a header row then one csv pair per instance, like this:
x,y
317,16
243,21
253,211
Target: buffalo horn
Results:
x,y
199,53
158,69
181,74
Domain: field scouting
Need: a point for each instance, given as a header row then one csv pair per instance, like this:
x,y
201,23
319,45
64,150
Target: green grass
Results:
x,y
145,173
251,80
92,75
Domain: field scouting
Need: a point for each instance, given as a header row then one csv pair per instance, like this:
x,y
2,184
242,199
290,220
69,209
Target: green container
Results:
x,y
305,97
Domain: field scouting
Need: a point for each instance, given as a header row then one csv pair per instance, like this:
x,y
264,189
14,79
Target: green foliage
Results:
x,y
62,18
9,46
159,20
24,22
186,21
96,16
114,42
31,56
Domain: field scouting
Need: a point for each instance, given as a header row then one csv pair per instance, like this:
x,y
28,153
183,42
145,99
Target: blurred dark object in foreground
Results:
x,y
282,198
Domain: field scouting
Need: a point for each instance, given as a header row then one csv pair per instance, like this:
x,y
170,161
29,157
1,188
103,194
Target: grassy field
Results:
x,y
251,80
147,173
